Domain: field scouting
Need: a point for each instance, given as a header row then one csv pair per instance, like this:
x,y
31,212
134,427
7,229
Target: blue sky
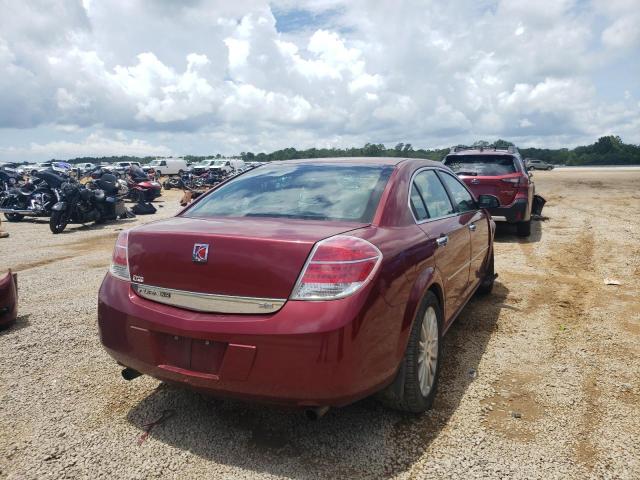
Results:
x,y
89,78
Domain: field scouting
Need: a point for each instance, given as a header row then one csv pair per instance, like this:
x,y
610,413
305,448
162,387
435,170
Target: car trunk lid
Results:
x,y
258,258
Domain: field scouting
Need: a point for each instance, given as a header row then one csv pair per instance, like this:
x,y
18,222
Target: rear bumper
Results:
x,y
518,211
306,354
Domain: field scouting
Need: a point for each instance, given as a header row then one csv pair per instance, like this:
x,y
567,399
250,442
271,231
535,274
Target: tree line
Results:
x,y
608,150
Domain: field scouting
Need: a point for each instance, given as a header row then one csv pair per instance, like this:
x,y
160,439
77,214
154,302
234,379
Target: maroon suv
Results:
x,y
501,173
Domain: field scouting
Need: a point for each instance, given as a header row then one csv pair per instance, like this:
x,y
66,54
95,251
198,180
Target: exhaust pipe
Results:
x,y
21,212
129,374
315,413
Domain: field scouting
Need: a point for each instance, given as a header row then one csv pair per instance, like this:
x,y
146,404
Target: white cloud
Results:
x,y
222,74
624,32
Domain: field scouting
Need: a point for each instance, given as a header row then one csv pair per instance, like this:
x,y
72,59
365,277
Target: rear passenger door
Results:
x,y
437,217
475,220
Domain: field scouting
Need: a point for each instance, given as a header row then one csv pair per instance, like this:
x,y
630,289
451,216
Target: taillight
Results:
x,y
120,259
515,181
338,266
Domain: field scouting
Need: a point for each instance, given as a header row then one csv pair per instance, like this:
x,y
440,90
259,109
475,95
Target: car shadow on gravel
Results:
x,y
22,321
361,440
506,233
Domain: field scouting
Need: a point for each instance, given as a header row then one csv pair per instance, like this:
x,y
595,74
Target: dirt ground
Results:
x,y
540,380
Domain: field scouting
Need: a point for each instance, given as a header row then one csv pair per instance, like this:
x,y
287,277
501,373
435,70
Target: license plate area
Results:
x,y
191,354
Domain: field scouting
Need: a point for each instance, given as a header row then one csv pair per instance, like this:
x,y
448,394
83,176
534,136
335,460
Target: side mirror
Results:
x,y
488,201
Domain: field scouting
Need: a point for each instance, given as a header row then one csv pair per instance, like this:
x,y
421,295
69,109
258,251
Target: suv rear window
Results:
x,y
487,165
310,192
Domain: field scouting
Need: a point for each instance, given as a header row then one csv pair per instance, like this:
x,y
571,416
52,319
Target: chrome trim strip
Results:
x,y
480,253
208,302
466,265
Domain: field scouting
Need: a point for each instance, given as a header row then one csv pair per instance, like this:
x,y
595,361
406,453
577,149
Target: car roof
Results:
x,y
478,151
391,161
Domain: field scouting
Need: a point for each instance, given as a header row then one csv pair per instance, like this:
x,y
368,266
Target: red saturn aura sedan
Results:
x,y
311,283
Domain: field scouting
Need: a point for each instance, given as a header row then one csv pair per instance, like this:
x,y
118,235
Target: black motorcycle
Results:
x,y
8,181
34,198
97,202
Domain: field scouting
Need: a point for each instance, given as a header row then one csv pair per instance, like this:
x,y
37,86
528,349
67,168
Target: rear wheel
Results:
x,y
58,221
489,278
524,228
100,218
13,217
414,388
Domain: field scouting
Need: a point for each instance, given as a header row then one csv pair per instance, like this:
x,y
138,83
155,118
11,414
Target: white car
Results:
x,y
224,165
84,167
38,167
121,166
167,166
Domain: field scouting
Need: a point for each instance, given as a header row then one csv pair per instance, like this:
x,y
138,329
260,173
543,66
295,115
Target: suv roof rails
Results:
x,y
459,148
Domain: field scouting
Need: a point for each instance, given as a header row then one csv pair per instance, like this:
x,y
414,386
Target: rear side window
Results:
x,y
461,197
484,165
433,194
300,191
417,204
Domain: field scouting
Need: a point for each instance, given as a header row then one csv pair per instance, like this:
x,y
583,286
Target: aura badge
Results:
x,y
475,181
200,252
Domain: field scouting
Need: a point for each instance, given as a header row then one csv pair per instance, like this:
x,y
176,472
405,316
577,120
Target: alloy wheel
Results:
x,y
428,354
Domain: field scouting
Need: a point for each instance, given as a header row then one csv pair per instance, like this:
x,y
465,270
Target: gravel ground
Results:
x,y
540,380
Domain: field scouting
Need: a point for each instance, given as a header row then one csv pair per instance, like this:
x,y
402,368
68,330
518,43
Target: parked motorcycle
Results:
x,y
35,198
9,181
141,187
173,182
96,202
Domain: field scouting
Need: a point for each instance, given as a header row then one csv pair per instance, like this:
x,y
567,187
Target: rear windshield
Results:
x,y
481,164
311,192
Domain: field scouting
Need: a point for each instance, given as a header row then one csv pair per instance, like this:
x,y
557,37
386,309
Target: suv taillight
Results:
x,y
120,259
515,181
337,267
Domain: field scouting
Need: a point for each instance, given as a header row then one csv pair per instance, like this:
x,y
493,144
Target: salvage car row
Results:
x,y
159,166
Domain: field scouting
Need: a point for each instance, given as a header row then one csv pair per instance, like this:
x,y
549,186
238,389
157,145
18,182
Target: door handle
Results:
x,y
442,241
472,227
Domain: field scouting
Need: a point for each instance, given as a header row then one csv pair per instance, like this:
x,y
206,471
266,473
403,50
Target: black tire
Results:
x,y
486,286
58,221
101,218
181,172
524,228
13,217
158,173
404,393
